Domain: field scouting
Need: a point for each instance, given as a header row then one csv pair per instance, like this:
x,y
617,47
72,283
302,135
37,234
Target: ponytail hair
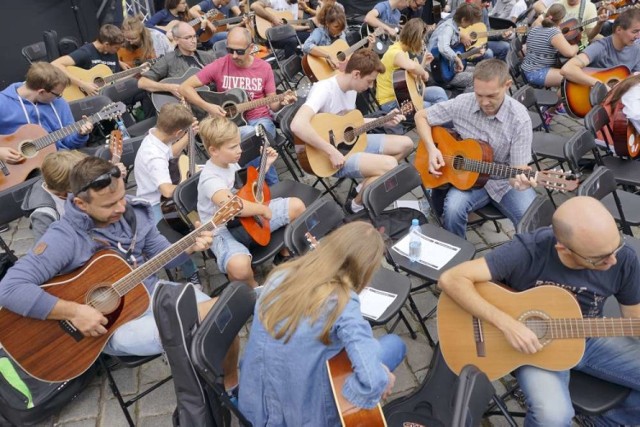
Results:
x,y
554,16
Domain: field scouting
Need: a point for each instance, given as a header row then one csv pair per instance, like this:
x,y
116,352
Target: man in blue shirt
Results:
x,y
386,14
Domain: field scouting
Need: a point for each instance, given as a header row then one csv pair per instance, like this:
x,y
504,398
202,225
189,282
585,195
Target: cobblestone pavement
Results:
x,y
96,406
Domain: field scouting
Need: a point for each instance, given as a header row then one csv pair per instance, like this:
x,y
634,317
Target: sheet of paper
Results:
x,y
433,253
374,302
413,204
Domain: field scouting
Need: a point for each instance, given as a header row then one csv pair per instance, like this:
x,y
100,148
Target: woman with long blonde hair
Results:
x,y
140,43
308,312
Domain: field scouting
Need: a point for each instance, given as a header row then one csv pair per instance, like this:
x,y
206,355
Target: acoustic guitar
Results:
x,y
577,95
443,70
572,28
626,139
316,68
256,190
160,98
469,164
55,350
286,17
236,101
346,132
551,312
383,40
134,58
34,143
479,34
100,75
115,146
339,367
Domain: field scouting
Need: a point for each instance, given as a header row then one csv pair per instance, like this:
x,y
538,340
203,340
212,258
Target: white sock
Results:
x,y
356,207
358,187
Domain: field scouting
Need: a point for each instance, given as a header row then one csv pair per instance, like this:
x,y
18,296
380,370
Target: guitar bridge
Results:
x,y
479,337
71,330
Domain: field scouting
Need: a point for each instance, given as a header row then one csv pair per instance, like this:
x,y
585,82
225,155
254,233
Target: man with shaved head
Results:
x,y
584,253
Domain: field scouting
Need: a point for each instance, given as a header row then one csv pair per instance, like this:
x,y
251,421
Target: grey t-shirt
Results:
x,y
602,54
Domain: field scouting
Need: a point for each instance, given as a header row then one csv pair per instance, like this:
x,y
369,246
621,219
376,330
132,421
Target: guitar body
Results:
x,y
383,41
626,140
47,351
160,98
316,68
474,32
262,25
95,75
577,95
204,36
572,34
452,150
257,227
21,141
442,69
460,334
134,58
339,367
332,128
228,100
408,88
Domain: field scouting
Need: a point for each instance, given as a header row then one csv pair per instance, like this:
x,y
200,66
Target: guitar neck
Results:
x,y
591,327
207,15
369,126
263,169
192,152
470,53
493,169
591,20
123,74
250,105
59,134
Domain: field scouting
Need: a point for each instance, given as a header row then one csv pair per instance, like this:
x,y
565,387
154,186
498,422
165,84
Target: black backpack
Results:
x,y
176,312
25,400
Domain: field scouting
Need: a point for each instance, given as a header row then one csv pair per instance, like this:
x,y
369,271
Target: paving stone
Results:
x,y
86,405
405,380
111,414
418,353
79,423
158,402
126,380
22,246
156,421
154,371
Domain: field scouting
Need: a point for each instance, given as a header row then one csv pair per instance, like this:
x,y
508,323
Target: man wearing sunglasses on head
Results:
x,y
584,253
98,216
38,101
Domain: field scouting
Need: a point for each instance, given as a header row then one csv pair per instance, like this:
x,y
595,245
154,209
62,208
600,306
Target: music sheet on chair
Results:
x,y
433,253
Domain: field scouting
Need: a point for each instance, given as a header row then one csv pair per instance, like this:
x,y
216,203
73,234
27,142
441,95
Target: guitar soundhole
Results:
x,y
349,136
28,149
98,81
341,56
611,83
538,323
104,299
231,110
473,35
458,163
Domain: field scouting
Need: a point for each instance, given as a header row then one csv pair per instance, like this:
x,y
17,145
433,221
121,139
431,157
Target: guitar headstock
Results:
x,y
557,180
311,239
227,211
262,134
115,145
111,111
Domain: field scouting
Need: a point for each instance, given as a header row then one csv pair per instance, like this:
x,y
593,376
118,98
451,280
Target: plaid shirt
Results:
x,y
508,133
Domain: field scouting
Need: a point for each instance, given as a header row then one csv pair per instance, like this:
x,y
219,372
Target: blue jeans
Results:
x,y
271,177
393,350
458,204
189,267
432,95
612,359
499,48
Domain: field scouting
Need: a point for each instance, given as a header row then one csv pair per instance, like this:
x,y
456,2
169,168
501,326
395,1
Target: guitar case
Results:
x,y
176,313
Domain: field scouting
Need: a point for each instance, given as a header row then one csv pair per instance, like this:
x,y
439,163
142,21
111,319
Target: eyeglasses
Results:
x,y
57,95
599,260
193,36
231,50
102,181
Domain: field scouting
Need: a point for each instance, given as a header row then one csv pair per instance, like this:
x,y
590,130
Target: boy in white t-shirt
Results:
x,y
338,94
164,142
221,139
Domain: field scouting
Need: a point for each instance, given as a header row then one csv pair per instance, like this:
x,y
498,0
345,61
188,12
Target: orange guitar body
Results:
x,y
20,140
207,33
577,95
134,58
44,348
450,146
339,367
257,227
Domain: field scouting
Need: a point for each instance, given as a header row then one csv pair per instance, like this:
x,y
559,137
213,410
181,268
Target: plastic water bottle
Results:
x,y
415,242
123,128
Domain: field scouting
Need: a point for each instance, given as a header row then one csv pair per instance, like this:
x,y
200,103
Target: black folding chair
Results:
x,y
34,52
538,214
289,68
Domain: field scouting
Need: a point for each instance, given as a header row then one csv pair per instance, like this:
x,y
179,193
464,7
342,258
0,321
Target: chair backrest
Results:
x,y
596,119
473,394
88,106
537,215
280,33
320,218
122,90
130,149
526,96
220,48
50,38
11,201
598,93
576,147
291,66
390,187
287,117
600,183
35,52
251,145
217,331
185,196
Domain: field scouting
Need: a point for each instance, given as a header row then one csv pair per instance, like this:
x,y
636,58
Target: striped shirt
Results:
x,y
508,133
540,51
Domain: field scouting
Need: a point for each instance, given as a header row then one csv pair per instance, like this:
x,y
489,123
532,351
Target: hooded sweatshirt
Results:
x,y
53,116
68,244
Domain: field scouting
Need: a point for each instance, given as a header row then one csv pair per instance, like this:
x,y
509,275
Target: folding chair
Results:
x,y
324,216
538,215
11,201
289,68
34,52
212,340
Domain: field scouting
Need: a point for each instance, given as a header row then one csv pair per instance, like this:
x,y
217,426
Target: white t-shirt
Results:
x,y
212,179
280,5
590,12
631,102
518,9
58,202
327,97
151,168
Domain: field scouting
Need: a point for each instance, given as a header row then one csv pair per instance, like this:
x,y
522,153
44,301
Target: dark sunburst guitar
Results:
x,y
54,350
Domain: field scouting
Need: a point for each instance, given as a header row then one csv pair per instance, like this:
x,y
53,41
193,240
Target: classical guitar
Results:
x,y
572,28
469,164
218,20
286,17
346,132
443,70
115,146
339,367
54,350
160,98
316,68
134,58
256,190
479,34
100,75
236,101
551,312
34,143
577,95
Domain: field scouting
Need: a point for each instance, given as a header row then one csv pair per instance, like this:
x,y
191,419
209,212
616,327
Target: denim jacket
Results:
x,y
288,384
320,37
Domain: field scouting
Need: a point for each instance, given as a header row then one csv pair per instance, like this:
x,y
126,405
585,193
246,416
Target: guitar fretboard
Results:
x,y
585,328
53,137
250,105
353,133
494,169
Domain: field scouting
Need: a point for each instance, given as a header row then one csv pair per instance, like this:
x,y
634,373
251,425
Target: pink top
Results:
x,y
256,80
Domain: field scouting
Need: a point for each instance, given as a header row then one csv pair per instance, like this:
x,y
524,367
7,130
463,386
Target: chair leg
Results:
x,y
116,391
415,310
503,409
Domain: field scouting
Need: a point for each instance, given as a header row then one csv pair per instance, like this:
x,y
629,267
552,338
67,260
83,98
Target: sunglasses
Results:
x,y
231,51
102,181
599,260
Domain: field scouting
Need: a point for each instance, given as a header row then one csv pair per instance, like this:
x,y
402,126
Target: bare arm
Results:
x,y
188,91
149,85
630,310
572,71
67,61
372,19
261,10
248,208
403,61
562,45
